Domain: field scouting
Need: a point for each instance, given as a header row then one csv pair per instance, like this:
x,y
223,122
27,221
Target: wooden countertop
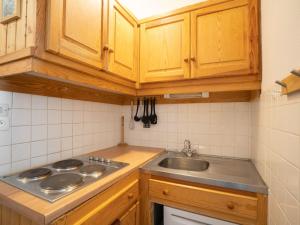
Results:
x,y
43,212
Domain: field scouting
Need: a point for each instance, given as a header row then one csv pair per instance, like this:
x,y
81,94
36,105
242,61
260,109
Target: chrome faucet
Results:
x,y
187,149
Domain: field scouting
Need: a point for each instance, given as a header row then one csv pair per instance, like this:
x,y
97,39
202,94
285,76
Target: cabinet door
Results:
x,y
123,43
75,29
220,40
131,217
165,49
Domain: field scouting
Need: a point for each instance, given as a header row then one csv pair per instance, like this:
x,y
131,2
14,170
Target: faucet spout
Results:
x,y
187,149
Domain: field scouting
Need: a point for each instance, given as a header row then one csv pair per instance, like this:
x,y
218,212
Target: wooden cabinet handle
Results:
x,y
193,59
186,60
230,205
110,50
165,192
105,47
130,196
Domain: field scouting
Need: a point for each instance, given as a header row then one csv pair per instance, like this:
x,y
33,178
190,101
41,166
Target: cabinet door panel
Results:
x,y
123,40
75,30
165,49
220,40
131,217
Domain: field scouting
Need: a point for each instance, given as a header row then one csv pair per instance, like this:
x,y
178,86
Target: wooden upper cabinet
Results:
x,y
165,49
76,30
123,43
220,40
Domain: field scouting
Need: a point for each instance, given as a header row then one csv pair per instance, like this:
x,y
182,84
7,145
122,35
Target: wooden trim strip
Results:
x,y
25,83
20,54
245,86
234,96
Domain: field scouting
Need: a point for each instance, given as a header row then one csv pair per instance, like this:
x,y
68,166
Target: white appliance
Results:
x,y
178,217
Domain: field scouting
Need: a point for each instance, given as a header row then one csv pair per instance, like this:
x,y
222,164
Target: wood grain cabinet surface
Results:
x,y
217,40
236,206
76,30
131,217
210,46
122,51
165,49
220,42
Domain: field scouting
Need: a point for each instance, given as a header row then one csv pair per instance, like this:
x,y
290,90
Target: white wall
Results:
x,y
217,128
280,39
276,119
46,129
146,8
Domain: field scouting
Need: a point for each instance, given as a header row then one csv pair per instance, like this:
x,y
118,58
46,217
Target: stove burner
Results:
x,y
67,165
61,183
34,174
92,170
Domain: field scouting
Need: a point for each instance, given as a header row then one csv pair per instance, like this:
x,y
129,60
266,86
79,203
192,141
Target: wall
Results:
x,y
148,8
276,118
46,129
213,128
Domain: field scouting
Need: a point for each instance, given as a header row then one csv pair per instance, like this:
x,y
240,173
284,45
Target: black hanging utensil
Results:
x,y
136,117
154,116
148,122
144,118
151,110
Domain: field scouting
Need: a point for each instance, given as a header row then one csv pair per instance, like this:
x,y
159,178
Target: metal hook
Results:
x,y
281,83
296,73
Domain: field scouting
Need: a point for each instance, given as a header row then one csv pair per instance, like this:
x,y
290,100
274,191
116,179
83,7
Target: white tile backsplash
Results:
x,y
54,146
21,101
38,148
54,103
39,102
21,134
54,131
21,117
213,128
39,117
5,154
20,152
44,129
276,153
39,132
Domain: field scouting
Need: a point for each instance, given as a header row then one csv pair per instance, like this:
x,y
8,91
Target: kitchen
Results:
x,y
149,113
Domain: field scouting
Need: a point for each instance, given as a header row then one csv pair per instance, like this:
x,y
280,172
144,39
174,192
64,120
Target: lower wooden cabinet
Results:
x,y
240,207
131,217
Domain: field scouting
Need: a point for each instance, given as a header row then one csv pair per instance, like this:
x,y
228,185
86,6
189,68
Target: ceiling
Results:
x,y
146,8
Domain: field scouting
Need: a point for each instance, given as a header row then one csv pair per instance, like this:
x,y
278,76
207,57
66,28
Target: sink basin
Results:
x,y
184,164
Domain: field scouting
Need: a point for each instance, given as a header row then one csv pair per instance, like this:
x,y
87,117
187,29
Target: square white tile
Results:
x,y
54,103
21,117
54,146
39,102
20,152
38,148
5,154
21,101
39,132
39,117
21,134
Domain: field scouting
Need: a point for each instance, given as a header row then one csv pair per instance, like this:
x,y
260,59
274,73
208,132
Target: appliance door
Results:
x,y
178,217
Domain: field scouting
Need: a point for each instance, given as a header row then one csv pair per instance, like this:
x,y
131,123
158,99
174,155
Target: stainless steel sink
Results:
x,y
184,164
